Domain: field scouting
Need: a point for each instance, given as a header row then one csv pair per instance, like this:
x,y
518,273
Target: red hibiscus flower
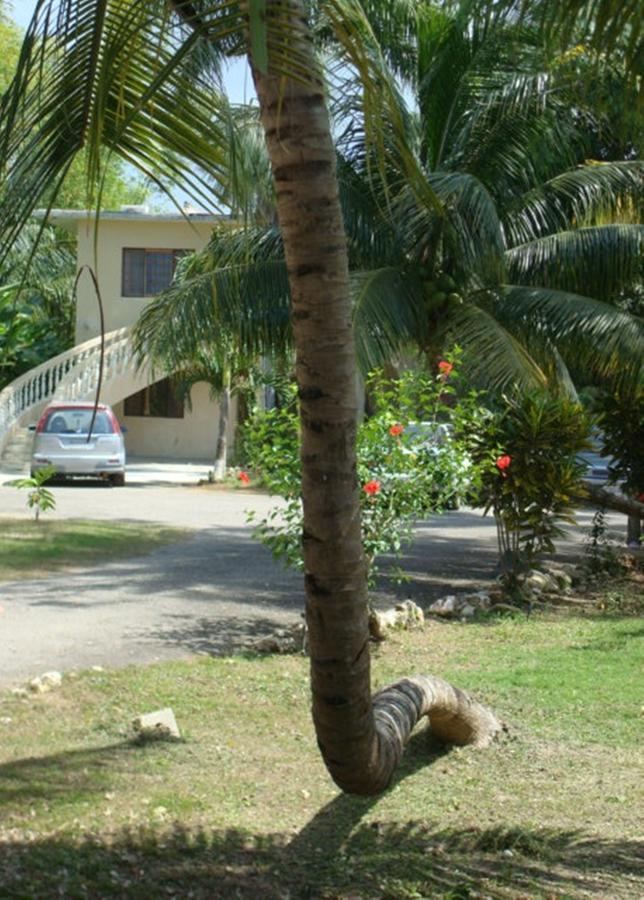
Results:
x,y
396,429
503,462
445,367
371,487
244,478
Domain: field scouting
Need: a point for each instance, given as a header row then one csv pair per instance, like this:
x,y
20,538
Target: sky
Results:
x,y
22,11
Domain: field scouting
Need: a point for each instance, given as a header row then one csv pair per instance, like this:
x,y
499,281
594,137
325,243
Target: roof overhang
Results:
x,y
72,218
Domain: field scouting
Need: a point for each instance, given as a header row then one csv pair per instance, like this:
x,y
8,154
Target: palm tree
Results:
x,y
115,72
488,221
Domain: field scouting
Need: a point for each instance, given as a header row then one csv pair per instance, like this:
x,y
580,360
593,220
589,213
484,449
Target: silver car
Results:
x,y
62,439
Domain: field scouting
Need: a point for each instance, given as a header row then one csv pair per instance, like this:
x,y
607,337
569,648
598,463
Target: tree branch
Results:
x,y
620,502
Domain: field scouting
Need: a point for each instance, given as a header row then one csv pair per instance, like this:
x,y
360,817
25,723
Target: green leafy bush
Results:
x,y
621,420
536,475
413,460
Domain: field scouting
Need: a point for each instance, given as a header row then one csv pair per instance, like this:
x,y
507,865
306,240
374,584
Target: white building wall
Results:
x,y
192,438
104,254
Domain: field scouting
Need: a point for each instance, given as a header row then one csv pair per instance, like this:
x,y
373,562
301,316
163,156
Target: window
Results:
x,y
159,400
76,420
148,272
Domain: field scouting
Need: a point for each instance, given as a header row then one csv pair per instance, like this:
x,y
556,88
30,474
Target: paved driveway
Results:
x,y
203,595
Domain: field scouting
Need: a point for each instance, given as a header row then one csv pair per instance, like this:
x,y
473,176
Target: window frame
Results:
x,y
146,401
177,254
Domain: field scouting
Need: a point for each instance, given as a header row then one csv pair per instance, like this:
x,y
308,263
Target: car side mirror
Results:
x,y
123,428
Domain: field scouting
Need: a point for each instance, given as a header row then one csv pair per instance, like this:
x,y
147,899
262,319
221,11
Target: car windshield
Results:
x,y
77,421
429,433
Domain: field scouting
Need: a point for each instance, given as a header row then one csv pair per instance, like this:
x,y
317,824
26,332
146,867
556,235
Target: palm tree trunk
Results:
x,y
361,742
221,453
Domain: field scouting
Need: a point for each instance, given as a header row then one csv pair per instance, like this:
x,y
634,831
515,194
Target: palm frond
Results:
x,y
608,24
608,190
495,357
233,292
388,312
594,262
384,128
111,73
468,234
591,335
605,25
372,236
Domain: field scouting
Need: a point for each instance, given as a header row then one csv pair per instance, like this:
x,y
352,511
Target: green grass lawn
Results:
x,y
30,549
243,807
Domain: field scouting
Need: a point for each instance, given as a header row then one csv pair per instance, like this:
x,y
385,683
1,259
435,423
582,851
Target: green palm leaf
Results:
x,y
107,72
591,334
388,312
588,261
494,354
610,191
235,290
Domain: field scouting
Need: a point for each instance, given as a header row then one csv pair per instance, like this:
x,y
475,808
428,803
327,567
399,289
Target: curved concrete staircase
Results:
x,y
72,375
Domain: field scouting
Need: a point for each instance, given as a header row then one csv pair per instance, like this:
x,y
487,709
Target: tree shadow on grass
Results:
x,y
336,855
73,774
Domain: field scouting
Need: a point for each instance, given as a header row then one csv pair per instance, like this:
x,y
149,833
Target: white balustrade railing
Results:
x,y
72,375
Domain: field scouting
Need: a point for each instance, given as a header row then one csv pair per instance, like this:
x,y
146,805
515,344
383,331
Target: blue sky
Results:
x,y
23,11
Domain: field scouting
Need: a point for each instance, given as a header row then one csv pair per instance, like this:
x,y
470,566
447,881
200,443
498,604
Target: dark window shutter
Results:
x,y
134,405
133,281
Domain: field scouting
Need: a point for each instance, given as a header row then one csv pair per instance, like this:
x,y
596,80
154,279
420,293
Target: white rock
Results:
x,y
38,686
53,679
467,611
20,692
483,599
445,606
412,612
537,581
159,724
562,578
268,644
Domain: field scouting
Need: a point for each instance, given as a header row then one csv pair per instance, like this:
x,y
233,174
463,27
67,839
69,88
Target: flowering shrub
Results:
x,y
412,461
536,439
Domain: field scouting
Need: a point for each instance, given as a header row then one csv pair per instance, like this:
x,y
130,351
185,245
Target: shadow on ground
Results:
x,y
336,855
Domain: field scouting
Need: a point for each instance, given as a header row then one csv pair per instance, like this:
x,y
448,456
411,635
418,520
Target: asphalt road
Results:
x,y
207,594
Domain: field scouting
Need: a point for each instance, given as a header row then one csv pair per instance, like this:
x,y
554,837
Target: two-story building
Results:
x,y
134,254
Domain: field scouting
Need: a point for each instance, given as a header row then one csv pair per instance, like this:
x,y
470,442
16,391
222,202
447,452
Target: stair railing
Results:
x,y
71,375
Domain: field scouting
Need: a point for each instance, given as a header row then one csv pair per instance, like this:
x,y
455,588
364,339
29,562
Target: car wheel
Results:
x,y
118,479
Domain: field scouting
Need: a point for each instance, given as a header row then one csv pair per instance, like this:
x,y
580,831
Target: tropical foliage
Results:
x,y
413,460
478,212
36,303
536,478
39,498
621,421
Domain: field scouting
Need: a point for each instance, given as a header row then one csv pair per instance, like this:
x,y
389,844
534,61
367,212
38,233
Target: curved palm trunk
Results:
x,y
221,453
361,741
